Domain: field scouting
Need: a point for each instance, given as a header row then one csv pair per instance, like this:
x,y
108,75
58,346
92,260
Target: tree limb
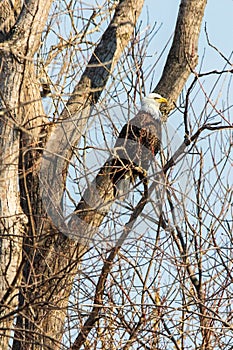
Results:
x,y
183,55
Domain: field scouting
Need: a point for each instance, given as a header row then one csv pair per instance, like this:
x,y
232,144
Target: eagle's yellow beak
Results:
x,y
162,100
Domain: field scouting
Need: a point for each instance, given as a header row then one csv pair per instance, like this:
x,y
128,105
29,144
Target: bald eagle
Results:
x,y
137,144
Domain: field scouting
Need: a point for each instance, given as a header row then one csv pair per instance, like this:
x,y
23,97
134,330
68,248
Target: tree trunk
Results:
x,y
13,220
20,103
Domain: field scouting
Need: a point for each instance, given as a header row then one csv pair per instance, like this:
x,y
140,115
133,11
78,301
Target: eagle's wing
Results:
x,y
137,144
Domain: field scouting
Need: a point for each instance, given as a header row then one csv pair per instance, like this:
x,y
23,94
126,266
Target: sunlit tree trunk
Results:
x,y
21,110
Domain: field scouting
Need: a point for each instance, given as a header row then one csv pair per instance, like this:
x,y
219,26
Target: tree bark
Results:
x,y
20,103
9,11
183,55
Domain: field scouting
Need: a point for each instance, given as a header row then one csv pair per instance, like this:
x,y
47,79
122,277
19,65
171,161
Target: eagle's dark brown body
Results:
x,y
137,144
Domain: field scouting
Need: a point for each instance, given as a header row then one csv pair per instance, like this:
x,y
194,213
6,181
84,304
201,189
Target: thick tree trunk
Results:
x,y
13,220
20,103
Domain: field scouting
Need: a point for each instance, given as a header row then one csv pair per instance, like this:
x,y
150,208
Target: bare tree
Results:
x,y
171,286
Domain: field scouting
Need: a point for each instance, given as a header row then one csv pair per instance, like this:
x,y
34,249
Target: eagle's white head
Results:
x,y
151,103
